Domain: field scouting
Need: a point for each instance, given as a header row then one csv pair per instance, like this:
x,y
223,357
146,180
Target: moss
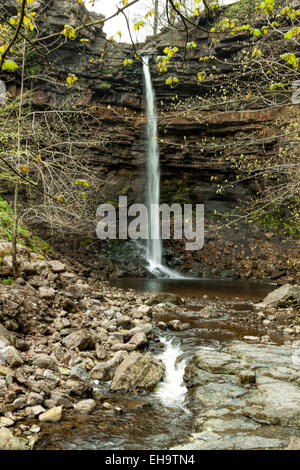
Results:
x,y
24,235
7,281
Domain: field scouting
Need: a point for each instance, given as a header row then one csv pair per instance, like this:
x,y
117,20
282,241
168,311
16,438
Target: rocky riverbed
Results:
x,y
63,335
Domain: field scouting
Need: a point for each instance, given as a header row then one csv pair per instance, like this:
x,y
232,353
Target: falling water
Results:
x,y
154,245
154,242
172,391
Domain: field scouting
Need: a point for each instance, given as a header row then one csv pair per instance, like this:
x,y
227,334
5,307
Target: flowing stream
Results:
x,y
163,418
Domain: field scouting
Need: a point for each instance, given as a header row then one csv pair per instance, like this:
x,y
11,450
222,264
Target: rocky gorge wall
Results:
x,y
197,142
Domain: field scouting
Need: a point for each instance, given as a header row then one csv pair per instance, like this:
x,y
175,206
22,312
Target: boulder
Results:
x,y
52,415
57,266
85,406
46,293
139,339
138,372
209,312
80,339
12,356
44,361
166,298
10,442
285,295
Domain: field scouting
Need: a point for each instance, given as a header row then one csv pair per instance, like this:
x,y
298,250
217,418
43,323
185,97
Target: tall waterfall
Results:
x,y
154,242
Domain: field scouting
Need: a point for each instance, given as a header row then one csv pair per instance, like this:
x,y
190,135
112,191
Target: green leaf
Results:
x,y
9,65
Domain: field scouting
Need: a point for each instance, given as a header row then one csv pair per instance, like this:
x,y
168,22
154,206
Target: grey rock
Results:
x,y
138,372
12,356
80,339
47,293
57,266
44,361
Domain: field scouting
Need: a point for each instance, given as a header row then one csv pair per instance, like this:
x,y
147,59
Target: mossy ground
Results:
x,y
25,237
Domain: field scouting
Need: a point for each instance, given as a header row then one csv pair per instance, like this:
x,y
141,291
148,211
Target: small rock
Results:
x,y
5,422
46,293
57,266
86,406
53,415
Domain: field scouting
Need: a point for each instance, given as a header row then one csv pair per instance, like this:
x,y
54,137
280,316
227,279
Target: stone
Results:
x,y
56,266
79,373
44,361
138,372
4,334
274,402
209,312
34,399
80,339
6,422
10,442
167,298
282,296
47,293
294,443
230,425
52,415
35,429
139,339
85,406
215,361
4,371
246,376
19,403
145,328
77,291
12,356
60,398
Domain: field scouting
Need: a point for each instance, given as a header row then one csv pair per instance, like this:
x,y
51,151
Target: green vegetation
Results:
x,y
276,220
24,235
7,281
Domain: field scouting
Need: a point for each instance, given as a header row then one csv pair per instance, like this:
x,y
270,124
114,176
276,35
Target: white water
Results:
x,y
172,391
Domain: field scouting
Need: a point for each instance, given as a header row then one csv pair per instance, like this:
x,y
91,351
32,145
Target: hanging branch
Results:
x,y
15,36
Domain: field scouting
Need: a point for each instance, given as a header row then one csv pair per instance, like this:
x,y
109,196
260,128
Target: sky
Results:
x,y
108,7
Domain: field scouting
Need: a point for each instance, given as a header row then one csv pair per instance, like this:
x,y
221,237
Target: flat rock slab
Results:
x,y
220,394
213,441
275,402
215,361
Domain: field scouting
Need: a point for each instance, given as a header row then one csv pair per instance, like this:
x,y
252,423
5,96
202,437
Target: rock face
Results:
x,y
138,372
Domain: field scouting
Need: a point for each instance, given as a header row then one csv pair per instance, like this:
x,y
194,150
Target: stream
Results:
x,y
165,417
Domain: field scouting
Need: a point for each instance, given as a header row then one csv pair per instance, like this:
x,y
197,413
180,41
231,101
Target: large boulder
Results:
x,y
166,298
138,372
285,296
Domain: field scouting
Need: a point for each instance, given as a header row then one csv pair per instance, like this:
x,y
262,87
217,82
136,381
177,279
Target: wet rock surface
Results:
x,y
242,387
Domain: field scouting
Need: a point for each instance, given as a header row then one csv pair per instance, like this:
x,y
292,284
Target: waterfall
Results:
x,y
172,391
154,242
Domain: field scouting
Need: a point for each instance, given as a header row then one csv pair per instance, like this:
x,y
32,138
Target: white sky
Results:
x,y
137,11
